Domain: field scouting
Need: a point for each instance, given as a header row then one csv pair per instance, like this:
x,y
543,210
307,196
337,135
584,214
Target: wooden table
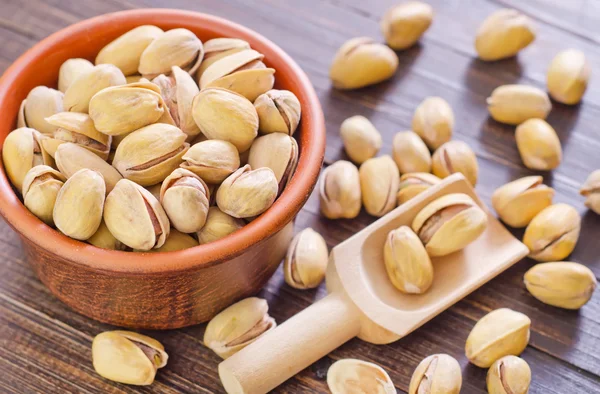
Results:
x,y
45,347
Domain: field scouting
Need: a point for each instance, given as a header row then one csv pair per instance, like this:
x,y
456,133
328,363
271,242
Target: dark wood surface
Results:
x,y
45,347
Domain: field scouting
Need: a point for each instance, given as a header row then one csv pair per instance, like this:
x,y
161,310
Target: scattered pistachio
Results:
x,y
591,190
379,179
519,201
514,104
403,24
410,153
436,374
340,191
361,139
433,121
538,144
453,157
356,376
509,375
568,76
503,34
306,260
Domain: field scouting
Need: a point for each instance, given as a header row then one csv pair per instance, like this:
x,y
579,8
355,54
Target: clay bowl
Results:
x,y
161,290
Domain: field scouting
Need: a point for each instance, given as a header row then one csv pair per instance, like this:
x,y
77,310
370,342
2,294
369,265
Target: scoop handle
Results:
x,y
292,346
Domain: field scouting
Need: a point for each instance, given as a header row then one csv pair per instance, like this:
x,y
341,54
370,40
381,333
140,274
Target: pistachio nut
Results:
x,y
503,34
40,103
500,333
339,191
433,121
306,260
148,155
410,153
78,208
247,193
509,375
70,70
568,76
591,191
185,197
103,239
176,241
361,139
379,179
237,326
22,150
80,92
406,261
350,375
218,225
40,189
361,62
135,217
538,144
518,202
403,24
212,160
453,157
126,50
449,224
514,104
277,151
225,115
563,284
278,111
414,183
127,357
436,374
79,129
216,49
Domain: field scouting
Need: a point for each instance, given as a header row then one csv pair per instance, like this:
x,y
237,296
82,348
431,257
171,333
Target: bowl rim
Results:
x,y
285,208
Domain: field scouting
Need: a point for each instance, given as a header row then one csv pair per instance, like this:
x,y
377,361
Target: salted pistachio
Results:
x,y
433,121
212,160
225,115
87,84
449,224
277,151
237,326
514,104
361,62
306,260
78,208
503,34
410,153
70,70
176,47
538,144
247,193
379,179
350,375
436,374
403,24
127,357
104,239
414,183
40,189
148,155
568,76
519,201
218,48
40,103
509,375
406,261
591,191
278,111
500,333
79,129
453,157
339,191
218,225
126,50
361,139
22,150
185,197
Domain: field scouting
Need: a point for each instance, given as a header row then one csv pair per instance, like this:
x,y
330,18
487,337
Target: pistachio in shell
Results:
x,y
104,239
218,48
509,375
514,104
356,376
218,225
414,183
591,191
433,121
277,151
212,160
379,179
41,102
176,241
538,144
278,111
453,157
79,129
40,189
306,260
403,24
568,76
87,84
339,191
70,70
361,139
410,153
247,193
22,150
519,201
436,374
185,198
503,34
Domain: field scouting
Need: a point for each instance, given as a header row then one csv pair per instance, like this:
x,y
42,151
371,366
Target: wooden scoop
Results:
x,y
364,303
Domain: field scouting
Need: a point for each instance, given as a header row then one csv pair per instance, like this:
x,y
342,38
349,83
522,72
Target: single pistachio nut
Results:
x,y
519,201
568,76
176,241
278,111
379,179
509,375
350,375
70,70
87,84
40,189
453,157
414,183
403,24
433,121
79,129
212,160
247,193
22,150
40,103
185,197
591,191
218,48
277,151
514,104
449,224
410,153
135,217
127,357
237,326
339,191
406,261
436,374
306,260
503,34
562,284
361,139
361,62
103,239
538,144
177,47
500,333
218,225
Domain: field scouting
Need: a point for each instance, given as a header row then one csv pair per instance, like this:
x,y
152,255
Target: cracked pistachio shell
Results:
x,y
410,153
185,198
509,375
412,184
176,241
553,233
503,34
78,208
148,155
449,224
436,374
70,70
80,92
403,24
237,326
361,139
306,260
79,129
568,76
538,144
225,115
40,103
127,357
379,179
361,62
212,160
339,191
514,104
103,239
278,111
40,189
433,121
350,375
218,48
177,47
455,156
277,151
22,150
500,333
135,217
218,225
519,201
126,50
247,193
591,190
